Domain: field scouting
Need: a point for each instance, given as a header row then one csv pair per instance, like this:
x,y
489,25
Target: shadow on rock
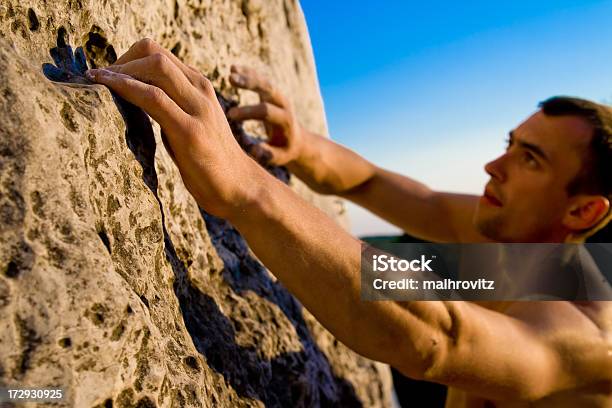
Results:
x,y
301,379
296,379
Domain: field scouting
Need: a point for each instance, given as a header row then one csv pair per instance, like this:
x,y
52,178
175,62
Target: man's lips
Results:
x,y
489,198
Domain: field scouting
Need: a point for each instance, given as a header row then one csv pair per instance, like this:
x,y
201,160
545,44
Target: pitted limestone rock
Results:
x,y
113,284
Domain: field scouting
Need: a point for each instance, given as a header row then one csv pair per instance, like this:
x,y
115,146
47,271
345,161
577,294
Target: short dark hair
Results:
x,y
595,177
596,174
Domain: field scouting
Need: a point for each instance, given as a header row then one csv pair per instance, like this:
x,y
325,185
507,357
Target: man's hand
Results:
x,y
285,135
329,168
183,102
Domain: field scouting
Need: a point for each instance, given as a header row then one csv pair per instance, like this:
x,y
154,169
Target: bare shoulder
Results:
x,y
578,333
590,318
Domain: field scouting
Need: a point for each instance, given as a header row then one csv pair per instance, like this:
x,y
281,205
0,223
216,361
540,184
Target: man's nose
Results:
x,y
496,169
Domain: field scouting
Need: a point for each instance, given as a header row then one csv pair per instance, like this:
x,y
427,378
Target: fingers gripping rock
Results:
x,y
252,145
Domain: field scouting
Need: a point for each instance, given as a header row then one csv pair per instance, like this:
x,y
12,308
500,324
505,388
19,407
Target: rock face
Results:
x,y
113,284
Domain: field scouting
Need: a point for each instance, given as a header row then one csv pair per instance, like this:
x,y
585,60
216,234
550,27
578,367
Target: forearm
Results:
x,y
330,168
404,202
327,167
320,264
417,209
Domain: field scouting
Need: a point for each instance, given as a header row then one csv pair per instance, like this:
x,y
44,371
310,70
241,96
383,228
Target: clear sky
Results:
x,y
431,89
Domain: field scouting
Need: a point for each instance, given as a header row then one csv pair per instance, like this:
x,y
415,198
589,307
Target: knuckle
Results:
x,y
159,61
147,46
282,99
285,121
120,69
263,81
265,85
206,85
156,95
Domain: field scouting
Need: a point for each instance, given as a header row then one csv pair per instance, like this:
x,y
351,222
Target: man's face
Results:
x,y
526,198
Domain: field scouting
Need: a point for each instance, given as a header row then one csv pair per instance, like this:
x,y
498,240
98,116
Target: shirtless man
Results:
x,y
548,186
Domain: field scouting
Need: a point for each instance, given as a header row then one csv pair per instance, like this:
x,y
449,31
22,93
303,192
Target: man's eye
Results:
x,y
529,158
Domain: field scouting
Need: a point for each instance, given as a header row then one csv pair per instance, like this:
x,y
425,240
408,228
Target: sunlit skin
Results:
x,y
536,354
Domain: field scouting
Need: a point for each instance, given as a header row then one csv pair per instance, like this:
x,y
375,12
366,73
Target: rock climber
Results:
x,y
553,183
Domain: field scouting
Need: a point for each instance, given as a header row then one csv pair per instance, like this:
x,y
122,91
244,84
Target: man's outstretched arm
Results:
x,y
316,259
330,168
459,344
284,231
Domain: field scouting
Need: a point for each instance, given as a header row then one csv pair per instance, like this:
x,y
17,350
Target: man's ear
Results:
x,y
586,211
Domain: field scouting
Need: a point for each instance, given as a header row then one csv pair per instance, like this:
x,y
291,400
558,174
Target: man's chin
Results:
x,y
487,223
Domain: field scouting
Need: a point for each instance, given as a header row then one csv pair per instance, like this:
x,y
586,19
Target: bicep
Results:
x,y
494,355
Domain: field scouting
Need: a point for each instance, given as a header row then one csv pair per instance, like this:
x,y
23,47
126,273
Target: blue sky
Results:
x,y
430,89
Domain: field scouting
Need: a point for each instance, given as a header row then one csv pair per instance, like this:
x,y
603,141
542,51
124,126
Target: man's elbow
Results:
x,y
423,355
433,366
424,363
427,356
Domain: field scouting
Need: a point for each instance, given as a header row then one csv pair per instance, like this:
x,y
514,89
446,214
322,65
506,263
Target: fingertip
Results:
x,y
91,74
97,75
266,146
231,113
237,79
236,68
